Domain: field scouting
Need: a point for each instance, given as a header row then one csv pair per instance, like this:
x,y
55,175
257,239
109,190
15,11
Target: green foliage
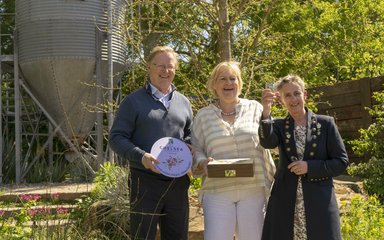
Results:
x,y
196,183
81,213
108,205
91,219
103,215
110,178
362,219
17,224
7,23
8,156
41,171
322,41
329,41
13,227
35,166
371,144
372,174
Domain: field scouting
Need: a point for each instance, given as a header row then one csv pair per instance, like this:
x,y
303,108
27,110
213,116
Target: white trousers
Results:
x,y
240,213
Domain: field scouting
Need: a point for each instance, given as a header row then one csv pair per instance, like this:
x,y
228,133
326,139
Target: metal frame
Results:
x,y
17,109
3,58
1,113
110,74
92,145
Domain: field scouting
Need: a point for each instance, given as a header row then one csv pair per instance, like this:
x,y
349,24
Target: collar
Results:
x,y
152,90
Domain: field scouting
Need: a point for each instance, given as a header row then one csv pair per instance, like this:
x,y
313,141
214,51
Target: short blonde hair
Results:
x,y
232,66
162,49
290,78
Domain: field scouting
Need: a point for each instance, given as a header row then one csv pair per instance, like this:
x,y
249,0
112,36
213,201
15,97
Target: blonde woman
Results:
x,y
227,129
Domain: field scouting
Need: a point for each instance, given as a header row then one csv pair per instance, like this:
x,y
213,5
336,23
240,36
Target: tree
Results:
x,y
329,41
224,30
203,33
324,41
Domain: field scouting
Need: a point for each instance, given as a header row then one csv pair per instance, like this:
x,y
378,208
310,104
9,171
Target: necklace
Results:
x,y
225,113
229,113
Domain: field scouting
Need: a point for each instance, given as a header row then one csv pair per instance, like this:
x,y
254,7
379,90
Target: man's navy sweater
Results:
x,y
141,121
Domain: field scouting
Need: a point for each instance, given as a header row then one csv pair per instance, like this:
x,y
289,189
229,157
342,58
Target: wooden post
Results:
x,y
366,100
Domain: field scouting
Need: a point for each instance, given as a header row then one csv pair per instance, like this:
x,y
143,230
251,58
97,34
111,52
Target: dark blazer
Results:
x,y
326,157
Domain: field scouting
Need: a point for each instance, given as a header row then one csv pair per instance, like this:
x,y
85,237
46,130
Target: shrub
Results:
x,y
196,183
32,220
110,180
109,209
362,219
371,144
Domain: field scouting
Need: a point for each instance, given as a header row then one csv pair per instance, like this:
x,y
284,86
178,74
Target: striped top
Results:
x,y
213,137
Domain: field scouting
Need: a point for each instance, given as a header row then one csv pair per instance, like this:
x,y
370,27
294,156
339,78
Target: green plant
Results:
x,y
8,155
107,210
371,144
196,183
79,166
110,179
56,172
362,219
22,224
13,227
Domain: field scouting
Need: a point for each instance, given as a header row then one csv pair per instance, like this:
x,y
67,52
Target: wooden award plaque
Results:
x,y
229,168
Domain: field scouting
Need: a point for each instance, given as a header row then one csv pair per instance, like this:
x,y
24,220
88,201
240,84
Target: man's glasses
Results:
x,y
164,67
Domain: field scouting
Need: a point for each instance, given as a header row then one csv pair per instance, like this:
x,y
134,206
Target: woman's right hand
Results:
x,y
203,165
267,99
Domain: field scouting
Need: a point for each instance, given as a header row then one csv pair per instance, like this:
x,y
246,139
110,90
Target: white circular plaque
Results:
x,y
174,156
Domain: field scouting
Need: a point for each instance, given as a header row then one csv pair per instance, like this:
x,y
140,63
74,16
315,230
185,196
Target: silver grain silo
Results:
x,y
57,56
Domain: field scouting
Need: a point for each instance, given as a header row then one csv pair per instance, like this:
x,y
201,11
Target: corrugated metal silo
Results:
x,y
57,56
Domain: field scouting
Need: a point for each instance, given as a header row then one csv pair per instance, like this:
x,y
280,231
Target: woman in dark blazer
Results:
x,y
302,204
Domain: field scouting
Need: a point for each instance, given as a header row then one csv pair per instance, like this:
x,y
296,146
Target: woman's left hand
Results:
x,y
298,167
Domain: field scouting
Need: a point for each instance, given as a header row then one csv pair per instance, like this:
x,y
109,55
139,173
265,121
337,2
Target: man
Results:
x,y
144,116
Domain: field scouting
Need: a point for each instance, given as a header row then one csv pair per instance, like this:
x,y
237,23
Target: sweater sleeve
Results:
x,y
121,133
